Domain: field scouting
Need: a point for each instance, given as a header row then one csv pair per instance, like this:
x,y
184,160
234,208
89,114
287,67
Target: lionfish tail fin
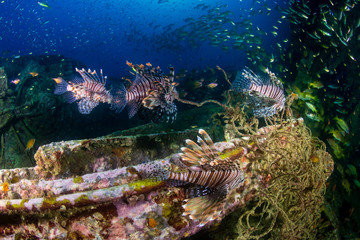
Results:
x,y
204,209
201,154
118,101
61,86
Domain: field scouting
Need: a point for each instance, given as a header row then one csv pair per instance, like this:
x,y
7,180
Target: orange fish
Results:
x,y
212,85
30,144
5,187
34,74
152,222
15,81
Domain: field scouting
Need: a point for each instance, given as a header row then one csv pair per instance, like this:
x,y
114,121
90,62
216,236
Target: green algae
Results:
x,y
15,206
78,179
141,185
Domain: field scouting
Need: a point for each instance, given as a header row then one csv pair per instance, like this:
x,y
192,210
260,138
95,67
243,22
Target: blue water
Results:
x,y
104,34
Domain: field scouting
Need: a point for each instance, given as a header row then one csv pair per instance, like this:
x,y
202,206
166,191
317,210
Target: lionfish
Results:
x,y
206,177
151,94
266,96
89,90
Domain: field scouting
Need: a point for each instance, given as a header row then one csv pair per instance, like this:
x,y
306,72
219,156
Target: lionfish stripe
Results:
x,y
208,178
172,74
92,80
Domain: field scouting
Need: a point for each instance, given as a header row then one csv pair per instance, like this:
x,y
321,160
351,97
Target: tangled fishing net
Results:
x,y
296,166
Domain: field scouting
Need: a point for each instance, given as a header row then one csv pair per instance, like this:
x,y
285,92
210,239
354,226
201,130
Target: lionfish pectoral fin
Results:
x,y
85,106
194,191
201,154
204,209
133,107
69,97
118,101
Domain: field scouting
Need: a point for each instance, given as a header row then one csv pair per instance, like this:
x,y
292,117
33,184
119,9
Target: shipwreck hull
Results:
x,y
95,189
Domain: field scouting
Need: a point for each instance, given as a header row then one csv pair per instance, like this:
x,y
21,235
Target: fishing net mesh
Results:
x,y
297,165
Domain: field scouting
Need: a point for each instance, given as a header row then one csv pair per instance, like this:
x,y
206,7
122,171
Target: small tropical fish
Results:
x,y
89,90
15,81
197,84
212,85
336,134
5,187
30,144
316,84
151,94
338,151
342,124
43,4
266,97
311,106
34,74
351,170
207,178
346,184
356,182
313,116
333,86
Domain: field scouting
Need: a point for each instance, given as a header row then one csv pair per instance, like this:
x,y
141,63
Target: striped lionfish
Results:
x,y
207,177
151,94
266,96
89,90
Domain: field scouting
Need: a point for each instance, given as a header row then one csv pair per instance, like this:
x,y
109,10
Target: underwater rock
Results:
x,y
110,195
3,82
78,157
